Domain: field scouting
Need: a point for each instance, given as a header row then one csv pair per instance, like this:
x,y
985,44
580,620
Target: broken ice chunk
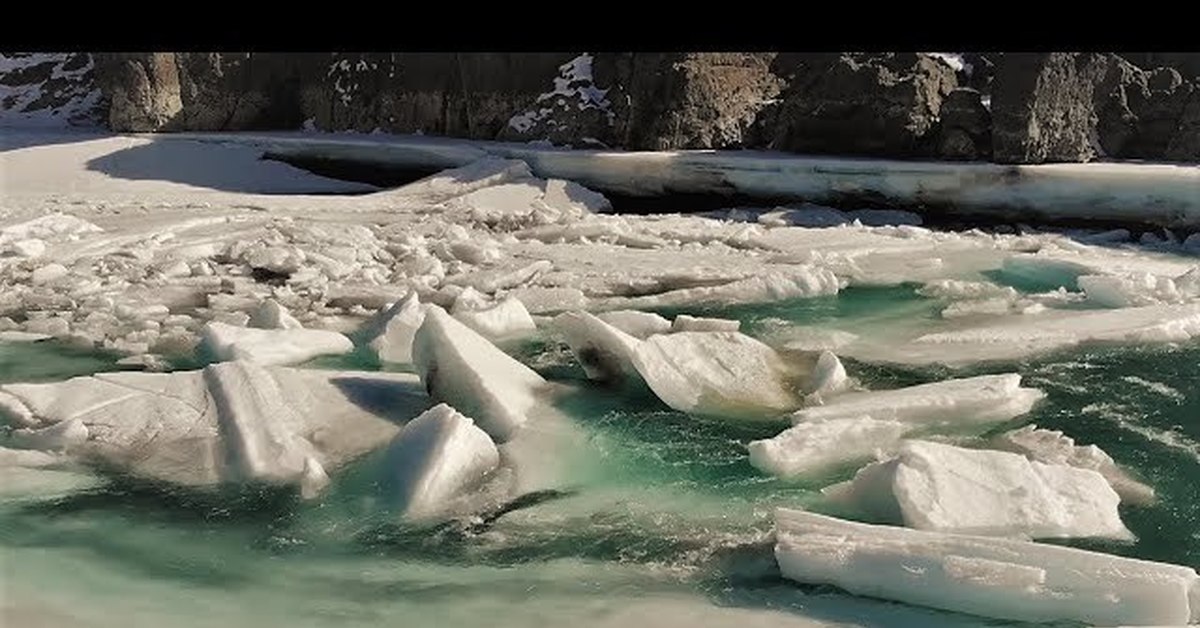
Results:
x,y
390,333
58,437
435,460
813,448
724,374
1053,447
271,346
495,321
635,323
990,577
605,352
462,368
931,486
271,315
683,322
968,401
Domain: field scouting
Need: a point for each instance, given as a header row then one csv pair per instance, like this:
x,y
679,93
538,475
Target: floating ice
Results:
x,y
724,374
460,367
604,351
635,323
390,334
683,322
828,377
502,320
230,422
271,346
1053,447
1135,289
811,449
931,486
435,460
991,577
969,401
272,315
795,282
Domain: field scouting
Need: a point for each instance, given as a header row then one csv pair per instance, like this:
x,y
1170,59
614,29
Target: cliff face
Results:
x,y
1011,108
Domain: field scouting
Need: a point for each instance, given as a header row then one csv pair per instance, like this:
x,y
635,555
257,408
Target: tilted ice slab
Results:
x,y
955,402
1164,194
931,486
635,323
390,334
813,448
991,577
1053,447
723,374
777,285
684,322
230,422
501,320
271,346
436,460
855,426
1131,290
464,369
605,352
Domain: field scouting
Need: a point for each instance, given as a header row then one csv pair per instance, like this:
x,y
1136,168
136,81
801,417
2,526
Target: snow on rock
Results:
x,y
932,486
1137,289
44,89
815,448
955,402
574,87
683,322
604,351
1053,447
271,346
390,334
231,422
461,368
635,323
502,320
723,374
272,315
436,460
989,577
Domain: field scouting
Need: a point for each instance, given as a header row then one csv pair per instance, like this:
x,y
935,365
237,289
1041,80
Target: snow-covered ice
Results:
x,y
465,370
684,322
933,486
438,458
501,320
813,448
636,323
604,351
991,577
390,334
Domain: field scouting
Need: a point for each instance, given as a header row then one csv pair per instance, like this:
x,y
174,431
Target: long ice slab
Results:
x,y
992,577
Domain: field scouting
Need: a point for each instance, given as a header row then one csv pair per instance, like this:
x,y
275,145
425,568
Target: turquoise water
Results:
x,y
668,518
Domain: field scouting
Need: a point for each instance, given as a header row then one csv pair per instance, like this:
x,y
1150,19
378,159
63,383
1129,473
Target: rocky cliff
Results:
x,y
1008,108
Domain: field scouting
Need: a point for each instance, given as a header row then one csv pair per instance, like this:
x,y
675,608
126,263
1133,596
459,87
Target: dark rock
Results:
x,y
669,101
1186,63
982,70
572,109
142,90
965,126
1042,107
867,104
1141,114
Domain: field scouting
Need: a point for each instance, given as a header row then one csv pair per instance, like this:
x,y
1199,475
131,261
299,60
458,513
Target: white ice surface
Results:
x,y
814,448
684,322
435,461
635,323
932,486
1054,447
991,577
272,346
503,320
722,374
390,334
464,369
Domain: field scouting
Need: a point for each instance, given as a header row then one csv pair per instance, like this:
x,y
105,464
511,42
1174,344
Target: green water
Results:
x,y
668,520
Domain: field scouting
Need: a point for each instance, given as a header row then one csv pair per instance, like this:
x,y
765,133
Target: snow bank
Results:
x,y
271,346
461,368
724,374
435,460
931,486
991,577
1054,447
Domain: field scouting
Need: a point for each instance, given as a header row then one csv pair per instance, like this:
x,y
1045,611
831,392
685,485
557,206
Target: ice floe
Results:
x,y
390,334
991,577
464,369
933,486
604,351
436,460
501,320
813,448
636,323
684,322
